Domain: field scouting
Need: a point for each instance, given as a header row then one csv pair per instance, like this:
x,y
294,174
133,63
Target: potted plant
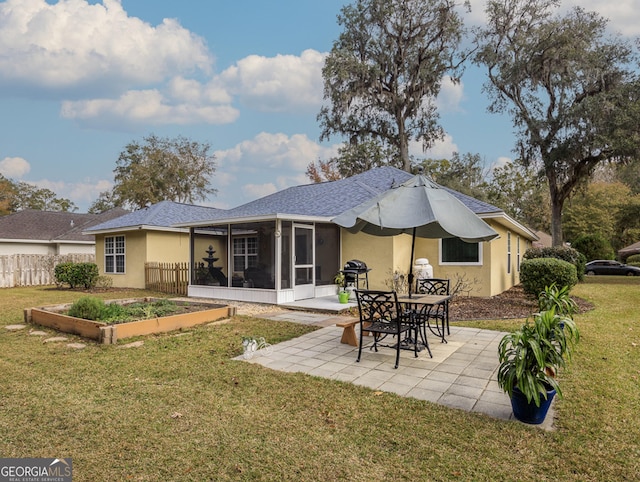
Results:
x,y
340,281
529,360
558,298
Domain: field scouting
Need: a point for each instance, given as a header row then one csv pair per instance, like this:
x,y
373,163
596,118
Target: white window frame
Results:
x,y
508,252
244,254
449,263
118,250
518,254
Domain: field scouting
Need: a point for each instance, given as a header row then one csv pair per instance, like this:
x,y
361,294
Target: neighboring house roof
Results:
x,y
632,249
52,226
164,214
544,240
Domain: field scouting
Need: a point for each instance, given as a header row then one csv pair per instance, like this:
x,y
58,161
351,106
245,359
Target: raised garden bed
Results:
x,y
192,314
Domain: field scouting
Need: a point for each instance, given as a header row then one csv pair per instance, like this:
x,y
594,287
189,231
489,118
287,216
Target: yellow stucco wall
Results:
x,y
167,247
384,255
140,247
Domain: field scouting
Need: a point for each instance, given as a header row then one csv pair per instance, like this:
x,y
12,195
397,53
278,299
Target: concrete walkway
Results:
x,y
461,374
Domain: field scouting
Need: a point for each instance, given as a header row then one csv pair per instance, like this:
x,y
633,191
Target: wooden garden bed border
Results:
x,y
107,334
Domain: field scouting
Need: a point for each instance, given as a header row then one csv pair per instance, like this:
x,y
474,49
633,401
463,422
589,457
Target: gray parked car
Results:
x,y
607,266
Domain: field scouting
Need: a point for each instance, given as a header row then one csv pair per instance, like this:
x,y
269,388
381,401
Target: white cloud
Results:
x,y
14,167
274,151
247,164
148,107
282,83
450,96
75,46
119,71
624,15
82,193
442,149
500,162
277,84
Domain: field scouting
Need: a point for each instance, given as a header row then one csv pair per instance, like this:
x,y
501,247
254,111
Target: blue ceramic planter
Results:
x,y
528,412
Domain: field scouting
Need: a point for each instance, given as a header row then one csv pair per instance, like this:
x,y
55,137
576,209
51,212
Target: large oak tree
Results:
x,y
570,88
160,169
385,70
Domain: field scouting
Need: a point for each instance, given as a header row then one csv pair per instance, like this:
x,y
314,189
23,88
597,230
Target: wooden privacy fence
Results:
x,y
172,278
35,269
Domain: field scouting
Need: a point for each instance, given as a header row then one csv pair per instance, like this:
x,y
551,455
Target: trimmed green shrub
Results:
x,y
77,274
564,253
594,246
87,274
87,307
634,260
63,274
539,273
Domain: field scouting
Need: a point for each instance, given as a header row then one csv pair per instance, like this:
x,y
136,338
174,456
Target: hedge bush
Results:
x,y
634,260
538,273
594,246
77,274
62,273
564,253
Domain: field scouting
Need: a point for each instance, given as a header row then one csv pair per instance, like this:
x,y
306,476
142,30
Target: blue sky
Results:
x,y
81,79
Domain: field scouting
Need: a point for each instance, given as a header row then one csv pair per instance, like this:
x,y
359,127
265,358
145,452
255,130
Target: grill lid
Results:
x,y
356,265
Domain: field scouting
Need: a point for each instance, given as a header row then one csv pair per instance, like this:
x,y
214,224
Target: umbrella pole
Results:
x,y
413,246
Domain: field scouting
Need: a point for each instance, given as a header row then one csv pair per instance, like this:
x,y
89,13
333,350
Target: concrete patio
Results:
x,y
461,374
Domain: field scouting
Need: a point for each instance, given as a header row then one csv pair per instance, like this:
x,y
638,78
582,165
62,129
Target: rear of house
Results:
x,y
284,247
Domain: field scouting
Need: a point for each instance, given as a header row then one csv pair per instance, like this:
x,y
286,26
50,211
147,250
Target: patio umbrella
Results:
x,y
418,207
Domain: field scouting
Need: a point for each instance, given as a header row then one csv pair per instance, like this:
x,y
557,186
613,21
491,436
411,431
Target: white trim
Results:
x,y
259,218
45,241
516,226
480,256
115,254
139,227
509,260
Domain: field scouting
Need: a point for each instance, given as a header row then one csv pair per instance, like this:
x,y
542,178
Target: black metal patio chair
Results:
x,y
440,313
382,316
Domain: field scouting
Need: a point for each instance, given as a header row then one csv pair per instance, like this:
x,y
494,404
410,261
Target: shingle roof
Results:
x,y
52,225
162,214
328,199
322,200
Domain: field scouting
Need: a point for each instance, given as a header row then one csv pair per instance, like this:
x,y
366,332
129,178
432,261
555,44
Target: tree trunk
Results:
x,y
556,219
404,144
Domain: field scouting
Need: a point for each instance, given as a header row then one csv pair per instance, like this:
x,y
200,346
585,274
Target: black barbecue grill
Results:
x,y
355,272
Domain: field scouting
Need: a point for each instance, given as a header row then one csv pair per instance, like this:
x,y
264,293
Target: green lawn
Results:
x,y
178,408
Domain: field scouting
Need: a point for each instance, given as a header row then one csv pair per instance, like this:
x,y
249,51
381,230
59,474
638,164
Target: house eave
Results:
x,y
255,219
140,227
517,227
44,241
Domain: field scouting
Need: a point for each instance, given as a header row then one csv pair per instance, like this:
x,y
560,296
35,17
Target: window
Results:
x,y
456,251
518,253
114,254
245,253
509,253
